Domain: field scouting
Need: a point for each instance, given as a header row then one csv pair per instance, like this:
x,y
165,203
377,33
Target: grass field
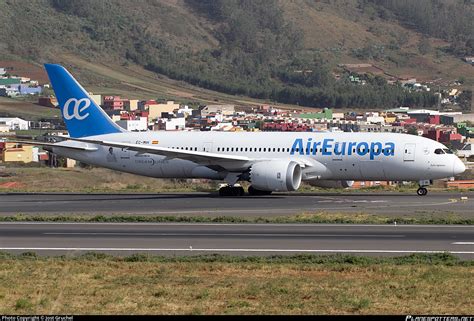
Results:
x,y
225,285
19,108
304,218
45,179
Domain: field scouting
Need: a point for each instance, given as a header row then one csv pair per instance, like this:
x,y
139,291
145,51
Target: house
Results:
x,y
13,152
130,104
15,123
170,124
10,81
96,98
113,103
48,102
156,109
28,90
443,135
469,60
2,71
139,124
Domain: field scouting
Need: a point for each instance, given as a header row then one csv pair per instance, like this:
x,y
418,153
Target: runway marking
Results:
x,y
463,243
222,250
223,234
302,225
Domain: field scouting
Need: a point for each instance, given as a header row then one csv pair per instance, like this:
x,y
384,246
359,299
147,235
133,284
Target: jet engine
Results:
x,y
331,184
276,175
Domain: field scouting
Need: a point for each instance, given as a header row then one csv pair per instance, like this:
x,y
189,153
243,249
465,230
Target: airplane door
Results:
x,y
409,152
125,158
207,147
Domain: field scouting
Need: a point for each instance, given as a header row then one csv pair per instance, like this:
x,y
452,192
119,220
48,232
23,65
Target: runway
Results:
x,y
235,239
385,203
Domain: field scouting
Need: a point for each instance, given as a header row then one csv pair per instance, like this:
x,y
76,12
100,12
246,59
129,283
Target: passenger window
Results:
x,y
245,148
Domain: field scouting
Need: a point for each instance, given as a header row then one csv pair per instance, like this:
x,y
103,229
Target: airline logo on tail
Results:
x,y
83,117
77,109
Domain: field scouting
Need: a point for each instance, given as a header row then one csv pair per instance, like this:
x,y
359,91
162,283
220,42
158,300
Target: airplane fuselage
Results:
x,y
344,156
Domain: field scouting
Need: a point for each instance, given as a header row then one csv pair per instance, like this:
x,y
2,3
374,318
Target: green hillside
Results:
x,y
285,51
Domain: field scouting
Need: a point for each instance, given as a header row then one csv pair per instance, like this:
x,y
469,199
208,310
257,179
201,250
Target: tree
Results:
x,y
424,46
465,100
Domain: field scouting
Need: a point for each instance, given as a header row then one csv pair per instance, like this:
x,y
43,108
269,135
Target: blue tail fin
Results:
x,y
80,113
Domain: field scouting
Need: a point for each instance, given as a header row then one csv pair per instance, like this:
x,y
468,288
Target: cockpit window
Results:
x,y
441,151
467,147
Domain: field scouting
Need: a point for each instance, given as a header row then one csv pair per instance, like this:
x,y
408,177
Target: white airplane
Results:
x,y
269,161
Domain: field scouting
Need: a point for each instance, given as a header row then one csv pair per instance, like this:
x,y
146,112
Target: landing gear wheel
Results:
x,y
256,192
422,191
231,191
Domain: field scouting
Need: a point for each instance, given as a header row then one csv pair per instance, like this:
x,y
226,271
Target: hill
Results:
x,y
256,48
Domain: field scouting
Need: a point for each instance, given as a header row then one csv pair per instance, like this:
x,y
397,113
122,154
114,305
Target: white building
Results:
x,y
96,98
15,123
173,123
2,71
186,111
134,124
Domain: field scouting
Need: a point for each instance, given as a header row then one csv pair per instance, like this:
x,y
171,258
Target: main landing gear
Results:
x,y
237,190
230,190
422,191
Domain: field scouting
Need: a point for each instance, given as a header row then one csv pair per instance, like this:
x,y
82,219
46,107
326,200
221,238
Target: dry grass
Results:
x,y
45,179
25,109
63,286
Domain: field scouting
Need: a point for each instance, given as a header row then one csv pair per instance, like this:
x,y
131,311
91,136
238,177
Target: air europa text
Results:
x,y
329,147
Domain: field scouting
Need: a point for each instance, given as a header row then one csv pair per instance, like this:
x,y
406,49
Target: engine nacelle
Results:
x,y
276,175
331,184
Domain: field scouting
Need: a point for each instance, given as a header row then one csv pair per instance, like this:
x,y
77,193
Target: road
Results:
x,y
236,239
385,203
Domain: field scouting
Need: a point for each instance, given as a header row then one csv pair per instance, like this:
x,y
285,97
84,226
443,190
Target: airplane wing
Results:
x,y
59,144
211,160
204,158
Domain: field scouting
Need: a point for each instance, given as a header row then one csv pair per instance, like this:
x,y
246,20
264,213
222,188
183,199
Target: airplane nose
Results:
x,y
458,167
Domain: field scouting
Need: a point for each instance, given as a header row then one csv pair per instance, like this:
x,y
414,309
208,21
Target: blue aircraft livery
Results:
x,y
328,147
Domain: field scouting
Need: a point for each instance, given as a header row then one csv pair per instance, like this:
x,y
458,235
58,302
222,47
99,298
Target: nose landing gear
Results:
x,y
422,191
